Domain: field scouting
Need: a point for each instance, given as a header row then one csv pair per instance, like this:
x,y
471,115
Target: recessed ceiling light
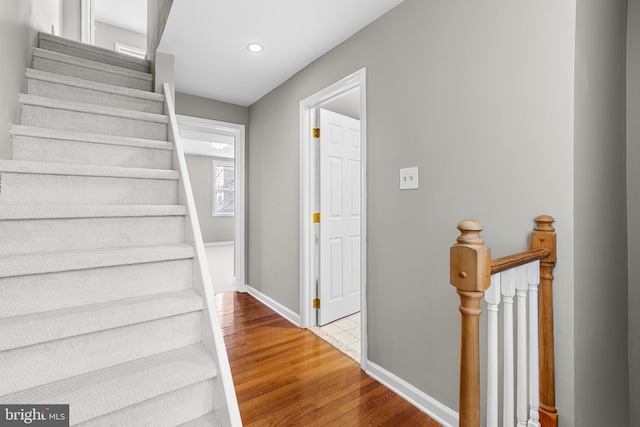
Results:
x,y
255,47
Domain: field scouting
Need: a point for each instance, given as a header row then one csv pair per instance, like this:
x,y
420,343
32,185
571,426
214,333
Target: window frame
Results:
x,y
215,163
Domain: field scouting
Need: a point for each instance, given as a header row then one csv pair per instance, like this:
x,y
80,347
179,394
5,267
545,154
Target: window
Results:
x,y
223,188
131,50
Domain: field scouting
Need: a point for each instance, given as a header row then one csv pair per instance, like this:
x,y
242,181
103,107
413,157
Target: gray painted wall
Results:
x,y
157,14
633,204
214,229
20,22
107,35
601,368
472,94
71,28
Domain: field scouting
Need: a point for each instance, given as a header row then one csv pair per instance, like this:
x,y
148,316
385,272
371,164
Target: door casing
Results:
x,y
308,195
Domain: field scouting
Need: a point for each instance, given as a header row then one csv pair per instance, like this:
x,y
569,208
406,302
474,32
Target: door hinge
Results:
x,y
316,218
316,303
316,132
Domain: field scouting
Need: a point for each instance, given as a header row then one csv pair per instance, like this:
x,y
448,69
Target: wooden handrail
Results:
x,y
508,262
470,273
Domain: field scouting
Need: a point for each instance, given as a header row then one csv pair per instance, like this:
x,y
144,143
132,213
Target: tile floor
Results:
x,y
343,334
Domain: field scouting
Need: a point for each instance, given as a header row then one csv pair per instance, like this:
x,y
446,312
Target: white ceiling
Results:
x,y
129,14
208,39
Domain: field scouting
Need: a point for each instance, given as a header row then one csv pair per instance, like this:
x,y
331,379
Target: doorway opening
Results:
x,y
215,155
333,266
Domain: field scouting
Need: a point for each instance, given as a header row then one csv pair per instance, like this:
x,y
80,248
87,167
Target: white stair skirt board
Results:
x,y
274,305
103,304
436,410
92,52
43,83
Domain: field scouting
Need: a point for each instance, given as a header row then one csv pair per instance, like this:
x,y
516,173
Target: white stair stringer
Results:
x,y
72,66
34,183
105,304
112,389
76,49
68,115
50,85
71,147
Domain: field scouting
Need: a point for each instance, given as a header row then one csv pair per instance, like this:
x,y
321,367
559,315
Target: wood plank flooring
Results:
x,y
287,376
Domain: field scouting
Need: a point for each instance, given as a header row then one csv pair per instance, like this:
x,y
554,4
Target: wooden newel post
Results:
x,y
470,273
544,236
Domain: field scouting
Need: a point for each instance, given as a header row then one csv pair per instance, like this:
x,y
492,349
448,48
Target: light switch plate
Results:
x,y
409,178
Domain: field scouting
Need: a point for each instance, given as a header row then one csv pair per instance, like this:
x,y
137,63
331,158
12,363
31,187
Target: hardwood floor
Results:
x,y
287,376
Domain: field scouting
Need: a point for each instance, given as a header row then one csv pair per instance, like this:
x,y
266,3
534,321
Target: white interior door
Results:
x,y
339,251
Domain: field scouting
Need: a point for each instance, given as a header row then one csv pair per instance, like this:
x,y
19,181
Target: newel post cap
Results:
x,y
544,237
470,259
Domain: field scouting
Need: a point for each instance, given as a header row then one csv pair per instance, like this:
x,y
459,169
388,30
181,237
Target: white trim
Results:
x,y
225,401
307,279
427,404
237,131
87,22
219,243
274,305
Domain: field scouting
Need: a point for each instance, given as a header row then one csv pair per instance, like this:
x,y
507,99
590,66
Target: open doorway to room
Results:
x,y
214,153
333,234
118,25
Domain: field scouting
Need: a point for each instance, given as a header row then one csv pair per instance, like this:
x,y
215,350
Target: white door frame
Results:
x,y
238,131
87,21
308,192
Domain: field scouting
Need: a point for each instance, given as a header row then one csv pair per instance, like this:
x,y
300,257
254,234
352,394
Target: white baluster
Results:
x,y
521,356
533,273
508,285
492,296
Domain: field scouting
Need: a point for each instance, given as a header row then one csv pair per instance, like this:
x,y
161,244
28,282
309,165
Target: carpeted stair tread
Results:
x,y
92,52
102,392
208,420
8,212
60,104
91,65
41,168
58,86
96,138
52,262
93,85
22,331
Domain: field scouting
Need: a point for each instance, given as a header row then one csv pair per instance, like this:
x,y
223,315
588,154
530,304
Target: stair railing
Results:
x,y
225,401
524,275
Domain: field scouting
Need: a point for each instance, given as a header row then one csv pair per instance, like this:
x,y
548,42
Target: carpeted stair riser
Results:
x,y
23,331
125,385
92,53
168,410
66,65
36,293
48,113
40,83
40,364
60,146
50,189
208,420
73,234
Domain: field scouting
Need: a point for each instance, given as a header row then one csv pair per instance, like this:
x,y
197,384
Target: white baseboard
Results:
x,y
436,410
275,306
219,243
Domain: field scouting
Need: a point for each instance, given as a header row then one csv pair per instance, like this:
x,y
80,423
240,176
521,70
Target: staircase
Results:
x,y
99,305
